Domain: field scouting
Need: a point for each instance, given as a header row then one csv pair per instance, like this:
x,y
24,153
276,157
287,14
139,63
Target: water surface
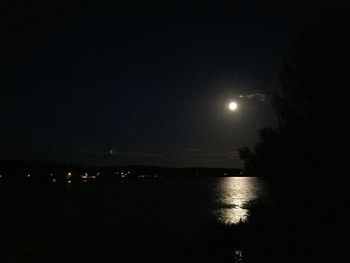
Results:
x,y
233,194
145,213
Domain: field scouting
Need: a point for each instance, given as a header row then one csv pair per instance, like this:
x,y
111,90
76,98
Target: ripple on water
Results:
x,y
233,194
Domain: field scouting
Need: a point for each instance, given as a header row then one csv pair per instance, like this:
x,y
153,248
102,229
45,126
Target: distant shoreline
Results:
x,y
52,172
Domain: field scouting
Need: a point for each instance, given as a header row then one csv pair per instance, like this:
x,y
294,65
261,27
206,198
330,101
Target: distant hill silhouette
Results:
x,y
46,172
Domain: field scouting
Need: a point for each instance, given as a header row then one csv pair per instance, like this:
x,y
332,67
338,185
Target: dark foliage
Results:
x,y
305,158
312,108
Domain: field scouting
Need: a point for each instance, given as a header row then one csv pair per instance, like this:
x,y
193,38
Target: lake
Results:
x,y
138,219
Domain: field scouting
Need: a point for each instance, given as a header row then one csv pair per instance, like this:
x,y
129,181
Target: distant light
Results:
x,y
69,181
233,106
28,175
0,175
54,180
69,175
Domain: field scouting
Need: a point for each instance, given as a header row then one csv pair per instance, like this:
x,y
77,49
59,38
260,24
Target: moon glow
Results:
x,y
233,106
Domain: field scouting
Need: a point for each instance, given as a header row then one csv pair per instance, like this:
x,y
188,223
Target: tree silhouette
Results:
x,y
312,108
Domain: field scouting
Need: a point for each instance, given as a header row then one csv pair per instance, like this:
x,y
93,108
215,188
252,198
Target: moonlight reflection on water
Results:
x,y
233,195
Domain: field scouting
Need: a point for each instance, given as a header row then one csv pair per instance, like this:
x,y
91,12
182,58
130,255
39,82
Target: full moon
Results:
x,y
233,106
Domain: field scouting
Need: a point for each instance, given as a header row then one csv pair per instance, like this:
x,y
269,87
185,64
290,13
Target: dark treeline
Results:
x,y
312,107
305,158
45,172
36,171
309,145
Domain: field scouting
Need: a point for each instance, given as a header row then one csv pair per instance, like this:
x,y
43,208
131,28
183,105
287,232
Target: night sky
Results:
x,y
111,84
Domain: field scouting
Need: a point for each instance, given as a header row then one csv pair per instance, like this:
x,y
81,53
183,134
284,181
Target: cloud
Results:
x,y
109,152
258,96
192,150
190,157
